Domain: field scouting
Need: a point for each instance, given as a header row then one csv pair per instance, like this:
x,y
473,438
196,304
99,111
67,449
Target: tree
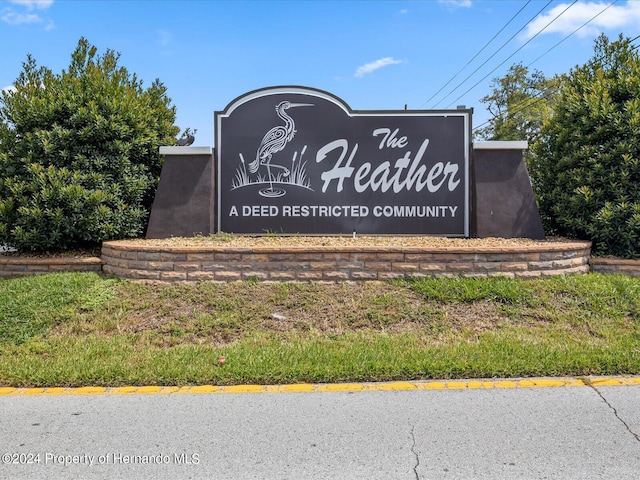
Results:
x,y
79,157
586,168
518,104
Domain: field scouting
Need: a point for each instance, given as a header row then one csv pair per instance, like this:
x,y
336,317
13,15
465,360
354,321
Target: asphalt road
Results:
x,y
569,432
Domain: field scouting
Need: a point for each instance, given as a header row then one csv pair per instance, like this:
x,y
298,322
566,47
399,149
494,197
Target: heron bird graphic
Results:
x,y
274,141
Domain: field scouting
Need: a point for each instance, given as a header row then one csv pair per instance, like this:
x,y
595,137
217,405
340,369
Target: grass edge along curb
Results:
x,y
85,330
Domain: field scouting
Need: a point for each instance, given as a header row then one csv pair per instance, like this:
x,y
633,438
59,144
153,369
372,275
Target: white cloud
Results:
x,y
456,3
24,13
9,89
165,37
375,65
33,4
14,18
615,17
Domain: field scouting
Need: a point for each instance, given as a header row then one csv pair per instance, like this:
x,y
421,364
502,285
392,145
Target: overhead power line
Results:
x,y
476,55
536,99
510,56
494,54
577,29
540,97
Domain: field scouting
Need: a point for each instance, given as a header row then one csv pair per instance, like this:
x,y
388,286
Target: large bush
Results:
x,y
79,160
586,168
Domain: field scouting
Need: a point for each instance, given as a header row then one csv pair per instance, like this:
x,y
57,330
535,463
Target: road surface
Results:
x,y
430,430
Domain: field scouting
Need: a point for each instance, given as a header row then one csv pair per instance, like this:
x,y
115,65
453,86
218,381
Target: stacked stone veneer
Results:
x,y
615,265
16,266
134,261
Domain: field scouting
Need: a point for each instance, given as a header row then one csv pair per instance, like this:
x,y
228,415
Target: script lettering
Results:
x,y
337,172
389,139
406,174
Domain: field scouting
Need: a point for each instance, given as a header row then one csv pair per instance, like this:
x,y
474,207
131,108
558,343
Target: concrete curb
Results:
x,y
485,384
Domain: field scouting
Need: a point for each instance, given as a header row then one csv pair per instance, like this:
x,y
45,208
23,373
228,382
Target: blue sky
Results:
x,y
373,54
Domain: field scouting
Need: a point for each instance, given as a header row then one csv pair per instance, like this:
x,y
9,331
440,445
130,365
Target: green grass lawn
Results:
x,y
85,329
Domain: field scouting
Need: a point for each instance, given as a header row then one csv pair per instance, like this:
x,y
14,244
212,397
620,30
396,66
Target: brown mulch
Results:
x,y
225,240
73,253
247,241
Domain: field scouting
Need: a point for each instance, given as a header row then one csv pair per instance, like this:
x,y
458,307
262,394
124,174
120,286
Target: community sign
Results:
x,y
296,160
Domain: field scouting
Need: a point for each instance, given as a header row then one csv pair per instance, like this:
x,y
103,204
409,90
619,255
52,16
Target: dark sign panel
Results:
x,y
298,160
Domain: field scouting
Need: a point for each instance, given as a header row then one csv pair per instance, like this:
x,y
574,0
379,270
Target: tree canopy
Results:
x,y
518,104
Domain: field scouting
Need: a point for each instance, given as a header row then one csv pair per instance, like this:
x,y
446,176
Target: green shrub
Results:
x,y
79,159
586,167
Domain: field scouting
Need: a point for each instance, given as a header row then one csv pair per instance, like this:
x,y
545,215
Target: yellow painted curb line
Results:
x,y
330,387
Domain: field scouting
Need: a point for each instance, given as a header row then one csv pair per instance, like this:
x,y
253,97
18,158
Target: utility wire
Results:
x,y
494,54
577,29
506,59
538,98
476,55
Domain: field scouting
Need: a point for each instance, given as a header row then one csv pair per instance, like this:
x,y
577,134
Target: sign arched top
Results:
x,y
293,89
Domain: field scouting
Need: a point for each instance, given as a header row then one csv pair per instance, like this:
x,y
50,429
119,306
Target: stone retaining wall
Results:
x,y
615,265
16,266
325,265
134,261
